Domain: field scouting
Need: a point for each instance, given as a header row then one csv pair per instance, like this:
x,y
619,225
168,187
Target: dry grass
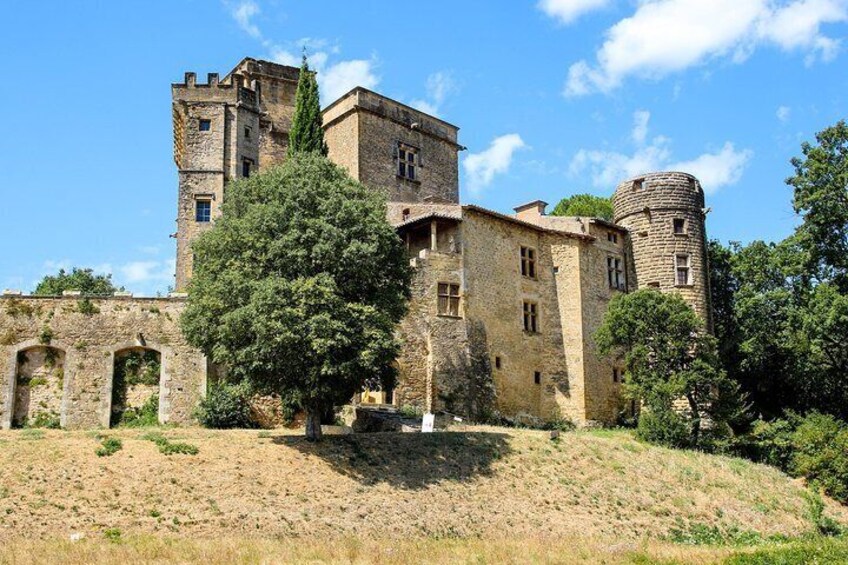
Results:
x,y
476,483
149,549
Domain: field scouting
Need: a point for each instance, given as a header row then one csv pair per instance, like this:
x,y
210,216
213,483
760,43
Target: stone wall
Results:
x,y
647,206
86,335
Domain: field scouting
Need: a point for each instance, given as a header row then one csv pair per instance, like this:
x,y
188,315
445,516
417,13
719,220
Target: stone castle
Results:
x,y
503,307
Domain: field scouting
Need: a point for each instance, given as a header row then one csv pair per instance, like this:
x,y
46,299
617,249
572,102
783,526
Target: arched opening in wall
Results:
x,y
135,387
40,380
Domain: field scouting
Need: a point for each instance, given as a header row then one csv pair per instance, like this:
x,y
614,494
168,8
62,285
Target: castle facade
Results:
x,y
504,306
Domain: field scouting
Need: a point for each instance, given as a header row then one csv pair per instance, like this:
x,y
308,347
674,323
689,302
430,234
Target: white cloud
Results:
x,y
482,167
608,168
334,79
665,36
439,86
784,113
566,11
243,13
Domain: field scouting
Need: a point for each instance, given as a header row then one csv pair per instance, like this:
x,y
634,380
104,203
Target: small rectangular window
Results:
x,y
404,215
407,161
531,317
682,269
203,211
528,262
615,274
638,184
246,167
612,237
615,375
497,362
247,132
537,377
448,299
204,125
679,226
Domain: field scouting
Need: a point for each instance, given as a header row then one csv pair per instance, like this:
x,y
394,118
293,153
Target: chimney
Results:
x,y
531,211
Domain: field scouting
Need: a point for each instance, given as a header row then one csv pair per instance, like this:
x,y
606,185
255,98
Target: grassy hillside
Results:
x,y
602,488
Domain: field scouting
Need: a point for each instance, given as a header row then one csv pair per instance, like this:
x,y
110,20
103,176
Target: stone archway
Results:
x,y
39,383
135,386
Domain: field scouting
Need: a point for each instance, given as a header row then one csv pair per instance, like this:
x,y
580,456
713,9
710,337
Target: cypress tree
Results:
x,y
307,134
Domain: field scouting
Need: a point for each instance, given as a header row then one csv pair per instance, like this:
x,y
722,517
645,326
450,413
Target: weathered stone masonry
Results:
x,y
85,335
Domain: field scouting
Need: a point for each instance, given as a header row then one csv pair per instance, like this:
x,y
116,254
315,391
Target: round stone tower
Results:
x,y
664,213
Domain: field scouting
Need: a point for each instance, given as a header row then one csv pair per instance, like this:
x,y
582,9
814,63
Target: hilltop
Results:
x,y
473,483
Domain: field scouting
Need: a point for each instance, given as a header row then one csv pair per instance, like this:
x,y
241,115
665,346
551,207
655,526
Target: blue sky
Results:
x,y
552,98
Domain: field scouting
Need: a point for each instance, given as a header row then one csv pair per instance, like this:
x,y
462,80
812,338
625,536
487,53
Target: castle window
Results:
x,y
683,270
404,215
638,184
203,210
531,317
537,377
247,133
615,274
528,262
616,376
679,226
246,167
449,300
612,237
497,362
407,161
204,125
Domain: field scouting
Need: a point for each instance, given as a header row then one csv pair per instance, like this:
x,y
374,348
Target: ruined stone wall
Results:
x,y
647,206
87,334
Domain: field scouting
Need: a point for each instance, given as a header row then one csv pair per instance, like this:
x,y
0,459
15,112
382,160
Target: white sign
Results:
x,y
427,423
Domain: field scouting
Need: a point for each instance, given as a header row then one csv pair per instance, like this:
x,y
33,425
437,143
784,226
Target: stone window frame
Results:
x,y
683,226
204,124
247,167
449,300
681,267
528,257
207,201
530,316
403,152
615,273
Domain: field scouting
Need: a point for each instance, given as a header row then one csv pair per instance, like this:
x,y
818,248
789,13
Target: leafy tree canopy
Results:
x,y
820,183
80,279
668,356
299,285
584,205
307,131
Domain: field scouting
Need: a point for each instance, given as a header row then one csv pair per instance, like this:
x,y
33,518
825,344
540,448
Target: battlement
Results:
x,y
233,89
658,191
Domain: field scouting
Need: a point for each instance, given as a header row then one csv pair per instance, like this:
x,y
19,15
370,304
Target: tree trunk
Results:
x,y
313,424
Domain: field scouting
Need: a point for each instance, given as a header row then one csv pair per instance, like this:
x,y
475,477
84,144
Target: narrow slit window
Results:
x,y
449,300
247,133
537,377
497,362
204,125
246,167
531,317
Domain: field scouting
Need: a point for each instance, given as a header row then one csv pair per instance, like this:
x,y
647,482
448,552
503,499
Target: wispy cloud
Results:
x,y
665,36
607,168
784,113
438,87
482,167
566,11
335,77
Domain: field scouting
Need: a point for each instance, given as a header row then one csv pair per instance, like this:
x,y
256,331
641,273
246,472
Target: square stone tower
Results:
x,y
225,130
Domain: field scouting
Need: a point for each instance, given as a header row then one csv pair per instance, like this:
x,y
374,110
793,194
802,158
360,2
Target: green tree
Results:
x,y
584,205
299,285
83,280
820,183
668,356
307,131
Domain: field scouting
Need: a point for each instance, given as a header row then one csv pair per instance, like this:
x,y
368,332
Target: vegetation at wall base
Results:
x,y
226,406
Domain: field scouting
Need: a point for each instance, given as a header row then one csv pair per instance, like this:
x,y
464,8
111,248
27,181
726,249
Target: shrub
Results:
x,y
49,420
109,446
225,406
113,535
142,416
169,448
663,427
821,454
769,443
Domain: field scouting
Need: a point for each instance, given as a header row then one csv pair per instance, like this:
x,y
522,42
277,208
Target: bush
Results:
x,y
821,454
109,446
145,415
769,443
663,427
225,406
169,448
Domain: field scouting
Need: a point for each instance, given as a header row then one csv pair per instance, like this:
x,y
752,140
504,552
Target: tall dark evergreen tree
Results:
x,y
307,132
